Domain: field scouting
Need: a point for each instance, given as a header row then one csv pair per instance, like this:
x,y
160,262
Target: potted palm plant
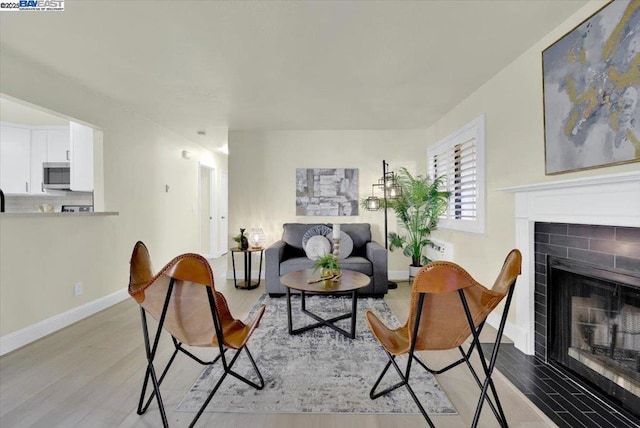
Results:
x,y
418,208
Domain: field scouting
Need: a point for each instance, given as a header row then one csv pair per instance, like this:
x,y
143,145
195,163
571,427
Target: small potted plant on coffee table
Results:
x,y
329,267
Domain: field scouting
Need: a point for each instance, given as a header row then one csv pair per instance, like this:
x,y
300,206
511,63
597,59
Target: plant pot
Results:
x,y
413,271
328,272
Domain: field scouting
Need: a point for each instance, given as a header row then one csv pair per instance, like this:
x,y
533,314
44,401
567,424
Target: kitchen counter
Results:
x,y
60,214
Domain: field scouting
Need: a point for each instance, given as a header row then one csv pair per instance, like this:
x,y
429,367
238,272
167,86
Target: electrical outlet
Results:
x,y
440,250
77,288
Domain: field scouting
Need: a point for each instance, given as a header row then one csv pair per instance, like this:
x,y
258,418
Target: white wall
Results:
x,y
262,171
140,157
512,102
262,164
42,258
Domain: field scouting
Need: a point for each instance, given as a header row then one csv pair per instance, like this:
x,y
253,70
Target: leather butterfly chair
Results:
x,y
447,306
183,299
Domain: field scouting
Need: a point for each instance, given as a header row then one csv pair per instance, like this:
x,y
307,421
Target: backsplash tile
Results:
x,y
30,203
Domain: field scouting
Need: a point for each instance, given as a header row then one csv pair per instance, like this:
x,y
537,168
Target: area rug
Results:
x,y
318,371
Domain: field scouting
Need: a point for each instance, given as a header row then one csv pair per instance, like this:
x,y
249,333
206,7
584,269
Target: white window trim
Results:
x,y
477,127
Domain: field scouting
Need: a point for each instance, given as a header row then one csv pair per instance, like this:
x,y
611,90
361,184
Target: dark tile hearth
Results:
x,y
565,402
597,250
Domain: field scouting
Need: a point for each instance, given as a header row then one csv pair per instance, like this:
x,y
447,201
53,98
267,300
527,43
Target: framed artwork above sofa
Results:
x,y
327,191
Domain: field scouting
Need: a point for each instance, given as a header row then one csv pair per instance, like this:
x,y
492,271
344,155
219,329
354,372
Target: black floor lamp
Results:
x,y
390,190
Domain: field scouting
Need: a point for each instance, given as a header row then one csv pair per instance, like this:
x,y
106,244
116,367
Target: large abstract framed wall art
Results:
x,y
591,80
327,191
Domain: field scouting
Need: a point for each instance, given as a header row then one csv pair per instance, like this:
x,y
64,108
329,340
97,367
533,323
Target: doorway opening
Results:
x,y
208,215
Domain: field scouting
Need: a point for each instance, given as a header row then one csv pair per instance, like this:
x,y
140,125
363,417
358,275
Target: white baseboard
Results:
x,y
22,337
517,334
399,275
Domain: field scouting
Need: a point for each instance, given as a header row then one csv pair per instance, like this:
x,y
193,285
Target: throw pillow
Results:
x,y
320,229
345,245
317,246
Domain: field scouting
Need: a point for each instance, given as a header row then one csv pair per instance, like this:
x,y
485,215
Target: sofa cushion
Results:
x,y
293,232
360,233
358,264
296,263
317,246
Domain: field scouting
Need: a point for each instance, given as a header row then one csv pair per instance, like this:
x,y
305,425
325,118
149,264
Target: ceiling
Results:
x,y
16,112
263,65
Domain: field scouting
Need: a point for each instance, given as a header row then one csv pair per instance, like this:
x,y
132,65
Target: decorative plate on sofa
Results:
x,y
316,242
317,246
313,231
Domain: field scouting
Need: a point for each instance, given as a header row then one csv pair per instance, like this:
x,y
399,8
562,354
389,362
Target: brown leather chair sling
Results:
x,y
183,299
447,306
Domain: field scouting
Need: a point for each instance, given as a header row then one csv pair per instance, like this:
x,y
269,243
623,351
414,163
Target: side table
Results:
x,y
247,284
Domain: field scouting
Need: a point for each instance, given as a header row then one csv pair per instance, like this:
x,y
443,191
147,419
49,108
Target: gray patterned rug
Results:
x,y
319,371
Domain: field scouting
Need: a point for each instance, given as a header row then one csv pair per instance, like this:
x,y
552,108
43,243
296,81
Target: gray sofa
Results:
x,y
287,255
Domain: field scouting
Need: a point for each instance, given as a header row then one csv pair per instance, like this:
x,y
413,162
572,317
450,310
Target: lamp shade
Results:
x,y
394,191
257,238
373,203
390,179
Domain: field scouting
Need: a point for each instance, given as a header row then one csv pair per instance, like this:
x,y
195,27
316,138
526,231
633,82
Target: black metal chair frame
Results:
x,y
151,353
475,344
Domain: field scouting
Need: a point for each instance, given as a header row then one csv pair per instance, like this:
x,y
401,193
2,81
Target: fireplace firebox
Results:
x,y
593,328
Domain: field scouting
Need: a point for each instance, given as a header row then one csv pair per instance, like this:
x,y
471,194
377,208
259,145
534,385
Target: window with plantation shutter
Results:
x,y
459,160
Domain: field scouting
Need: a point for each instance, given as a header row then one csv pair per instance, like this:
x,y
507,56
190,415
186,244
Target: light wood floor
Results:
x,y
90,375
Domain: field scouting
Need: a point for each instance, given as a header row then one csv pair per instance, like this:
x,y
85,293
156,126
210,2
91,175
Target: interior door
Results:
x,y
213,224
208,221
223,221
205,211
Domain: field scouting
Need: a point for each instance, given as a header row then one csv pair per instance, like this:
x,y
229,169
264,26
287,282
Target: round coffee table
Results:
x,y
349,282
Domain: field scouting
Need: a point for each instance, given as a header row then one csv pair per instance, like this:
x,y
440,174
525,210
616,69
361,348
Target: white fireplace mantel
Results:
x,y
612,200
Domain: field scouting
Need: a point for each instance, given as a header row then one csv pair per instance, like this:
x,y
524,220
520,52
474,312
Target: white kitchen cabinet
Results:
x,y
58,145
15,167
25,148
38,157
81,157
47,145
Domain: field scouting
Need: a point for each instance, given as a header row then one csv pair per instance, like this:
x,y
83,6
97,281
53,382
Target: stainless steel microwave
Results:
x,y
56,175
